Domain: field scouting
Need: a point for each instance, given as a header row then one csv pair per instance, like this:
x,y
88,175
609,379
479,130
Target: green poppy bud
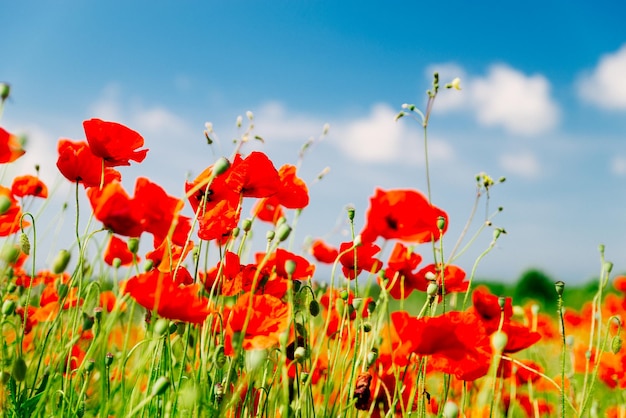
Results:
x,y
160,386
8,307
314,308
61,261
220,166
24,243
19,369
133,245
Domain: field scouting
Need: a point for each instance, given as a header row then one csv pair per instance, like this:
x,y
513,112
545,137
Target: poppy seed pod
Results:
x,y
19,368
5,91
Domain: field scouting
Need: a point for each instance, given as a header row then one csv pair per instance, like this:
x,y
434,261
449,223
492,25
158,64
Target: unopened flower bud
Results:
x,y
133,245
90,366
147,266
87,322
161,327
5,204
290,267
10,253
283,231
430,276
24,243
608,266
61,261
246,224
300,354
314,308
616,344
344,294
450,409
18,371
367,327
270,235
160,386
108,359
5,91
117,262
371,357
432,289
351,212
8,307
455,84
220,166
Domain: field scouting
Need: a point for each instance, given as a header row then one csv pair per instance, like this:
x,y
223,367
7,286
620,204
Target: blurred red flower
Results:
x,y
268,319
323,252
118,248
28,185
405,215
10,147
10,217
456,342
113,142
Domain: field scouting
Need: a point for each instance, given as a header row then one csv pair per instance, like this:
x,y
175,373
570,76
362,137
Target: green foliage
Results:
x,y
537,286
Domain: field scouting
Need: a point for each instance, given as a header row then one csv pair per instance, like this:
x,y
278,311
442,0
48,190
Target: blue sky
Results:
x,y
543,104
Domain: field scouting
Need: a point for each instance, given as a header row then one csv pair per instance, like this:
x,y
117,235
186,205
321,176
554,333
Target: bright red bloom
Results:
x,y
453,280
160,212
218,222
29,186
364,259
10,218
116,210
456,342
10,147
113,142
276,262
78,164
268,209
118,248
268,319
487,308
405,215
401,280
619,283
323,252
253,176
229,282
158,291
292,193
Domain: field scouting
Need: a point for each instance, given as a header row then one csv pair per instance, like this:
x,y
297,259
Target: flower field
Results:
x,y
161,309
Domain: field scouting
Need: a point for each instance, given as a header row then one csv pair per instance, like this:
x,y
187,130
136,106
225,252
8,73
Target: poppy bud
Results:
x,y
367,327
117,262
283,232
161,327
344,294
133,245
432,289
97,313
5,91
351,212
91,364
11,287
356,303
18,371
290,267
371,357
220,166
219,357
300,354
246,224
108,359
455,84
441,223
608,266
10,253
616,344
270,235
61,261
25,243
8,307
160,386
147,266
314,308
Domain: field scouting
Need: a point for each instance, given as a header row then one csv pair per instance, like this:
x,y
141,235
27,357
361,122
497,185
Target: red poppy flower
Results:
x,y
253,176
225,277
78,164
268,319
29,186
292,193
158,291
401,280
352,265
113,142
167,256
405,215
10,218
116,210
330,301
277,261
218,222
268,209
452,280
619,283
118,248
160,212
10,147
456,342
204,195
323,252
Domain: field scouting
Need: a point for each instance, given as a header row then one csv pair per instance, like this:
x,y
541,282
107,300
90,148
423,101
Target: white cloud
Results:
x,y
524,164
618,165
518,103
273,122
605,85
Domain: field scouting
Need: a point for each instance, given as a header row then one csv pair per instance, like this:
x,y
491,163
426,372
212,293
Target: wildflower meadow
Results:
x,y
162,307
